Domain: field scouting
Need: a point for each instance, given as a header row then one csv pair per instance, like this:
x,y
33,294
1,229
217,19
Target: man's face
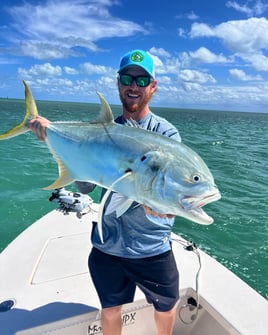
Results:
x,y
133,97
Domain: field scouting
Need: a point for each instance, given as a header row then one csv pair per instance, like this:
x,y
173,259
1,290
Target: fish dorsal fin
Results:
x,y
65,177
106,115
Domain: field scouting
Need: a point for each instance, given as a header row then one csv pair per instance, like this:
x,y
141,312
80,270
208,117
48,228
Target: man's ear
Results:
x,y
154,86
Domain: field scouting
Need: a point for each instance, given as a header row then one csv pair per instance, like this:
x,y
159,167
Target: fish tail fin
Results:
x,y
31,113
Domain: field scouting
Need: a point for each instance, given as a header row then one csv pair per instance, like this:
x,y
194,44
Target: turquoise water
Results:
x,y
234,145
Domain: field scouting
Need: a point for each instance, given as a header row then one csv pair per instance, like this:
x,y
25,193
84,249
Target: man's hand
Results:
x,y
39,126
149,211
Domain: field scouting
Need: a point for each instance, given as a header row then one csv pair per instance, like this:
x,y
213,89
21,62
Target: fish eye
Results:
x,y
196,178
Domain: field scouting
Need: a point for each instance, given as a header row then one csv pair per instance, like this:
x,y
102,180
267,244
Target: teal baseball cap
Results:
x,y
138,58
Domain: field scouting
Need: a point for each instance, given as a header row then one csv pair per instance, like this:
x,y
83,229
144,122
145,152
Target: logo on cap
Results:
x,y
136,57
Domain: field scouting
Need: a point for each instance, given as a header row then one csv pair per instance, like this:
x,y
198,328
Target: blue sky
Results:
x,y
209,54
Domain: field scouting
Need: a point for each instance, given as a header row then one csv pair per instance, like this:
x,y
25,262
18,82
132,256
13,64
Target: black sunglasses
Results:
x,y
141,81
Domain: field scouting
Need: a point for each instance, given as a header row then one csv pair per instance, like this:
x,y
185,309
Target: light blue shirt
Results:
x,y
133,234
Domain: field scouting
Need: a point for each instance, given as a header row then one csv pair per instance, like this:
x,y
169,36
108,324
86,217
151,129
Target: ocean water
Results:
x,y
234,146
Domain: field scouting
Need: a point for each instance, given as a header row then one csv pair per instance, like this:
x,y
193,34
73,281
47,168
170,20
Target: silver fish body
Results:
x,y
143,166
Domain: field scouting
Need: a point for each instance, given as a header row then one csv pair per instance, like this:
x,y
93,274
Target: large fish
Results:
x,y
141,165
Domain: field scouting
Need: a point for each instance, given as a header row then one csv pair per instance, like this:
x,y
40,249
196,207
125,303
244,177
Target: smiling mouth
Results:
x,y
132,95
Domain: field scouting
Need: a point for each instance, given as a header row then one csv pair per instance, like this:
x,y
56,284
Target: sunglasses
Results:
x,y
141,81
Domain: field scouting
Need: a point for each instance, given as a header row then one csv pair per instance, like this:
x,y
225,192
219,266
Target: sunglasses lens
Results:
x,y
141,81
126,80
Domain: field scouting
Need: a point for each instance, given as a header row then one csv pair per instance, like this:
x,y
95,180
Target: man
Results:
x,y
136,250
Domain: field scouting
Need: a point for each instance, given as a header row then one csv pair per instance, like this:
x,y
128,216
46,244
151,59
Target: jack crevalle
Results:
x,y
140,165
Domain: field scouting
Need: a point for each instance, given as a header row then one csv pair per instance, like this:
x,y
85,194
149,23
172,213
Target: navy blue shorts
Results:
x,y
116,278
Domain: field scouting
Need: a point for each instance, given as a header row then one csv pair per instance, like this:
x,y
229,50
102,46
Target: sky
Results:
x,y
209,54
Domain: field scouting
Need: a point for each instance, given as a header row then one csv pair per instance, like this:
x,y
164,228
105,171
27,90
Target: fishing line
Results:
x,y
192,304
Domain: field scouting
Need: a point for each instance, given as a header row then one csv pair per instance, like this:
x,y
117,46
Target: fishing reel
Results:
x,y
71,202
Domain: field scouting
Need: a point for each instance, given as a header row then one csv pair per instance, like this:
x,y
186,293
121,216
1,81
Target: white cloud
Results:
x,y
245,35
201,30
159,52
70,70
241,75
52,85
164,63
248,39
194,76
258,8
47,36
165,80
190,87
240,8
239,36
44,50
190,16
89,69
182,33
40,70
203,55
181,79
171,65
90,17
258,61
158,63
107,82
195,95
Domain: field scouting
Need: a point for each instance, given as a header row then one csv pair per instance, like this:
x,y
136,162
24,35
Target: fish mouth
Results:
x,y
200,216
193,206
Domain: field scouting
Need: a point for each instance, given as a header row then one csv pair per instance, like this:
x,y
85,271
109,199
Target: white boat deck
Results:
x,y
44,272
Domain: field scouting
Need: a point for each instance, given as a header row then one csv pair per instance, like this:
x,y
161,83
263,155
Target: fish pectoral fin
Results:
x,y
63,180
65,177
31,113
104,199
118,204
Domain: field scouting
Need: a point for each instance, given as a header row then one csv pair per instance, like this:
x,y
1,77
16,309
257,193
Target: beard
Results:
x,y
133,107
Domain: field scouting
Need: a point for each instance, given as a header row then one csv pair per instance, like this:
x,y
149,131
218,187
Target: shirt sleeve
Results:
x,y
162,126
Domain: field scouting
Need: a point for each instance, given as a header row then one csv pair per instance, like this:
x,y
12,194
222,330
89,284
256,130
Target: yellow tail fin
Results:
x,y
31,113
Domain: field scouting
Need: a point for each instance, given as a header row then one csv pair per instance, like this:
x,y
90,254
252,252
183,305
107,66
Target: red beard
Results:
x,y
133,107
